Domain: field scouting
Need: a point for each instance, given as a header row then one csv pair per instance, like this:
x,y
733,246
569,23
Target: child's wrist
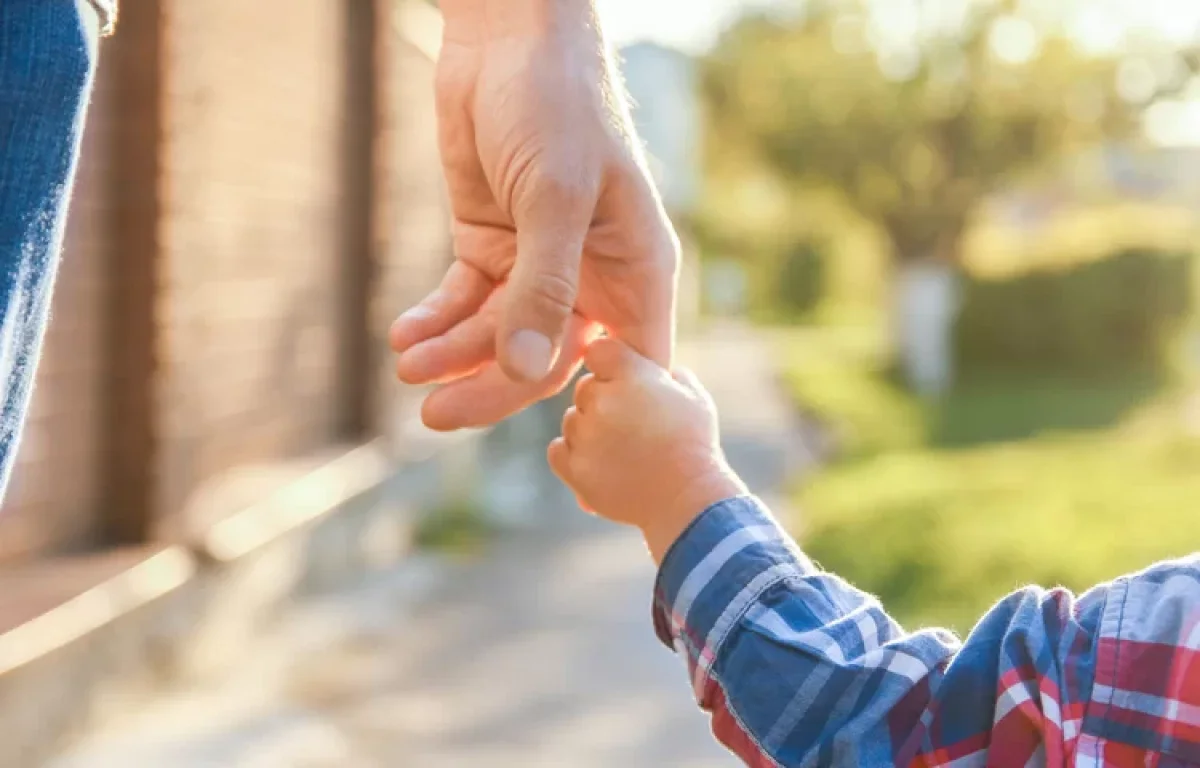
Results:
x,y
664,527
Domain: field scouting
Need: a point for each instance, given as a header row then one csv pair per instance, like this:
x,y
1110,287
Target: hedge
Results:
x,y
1116,313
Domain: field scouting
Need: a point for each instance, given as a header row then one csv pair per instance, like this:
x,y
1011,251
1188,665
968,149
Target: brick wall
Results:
x,y
417,247
250,302
210,312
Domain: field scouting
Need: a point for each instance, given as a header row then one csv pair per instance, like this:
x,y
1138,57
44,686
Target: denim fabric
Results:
x,y
47,60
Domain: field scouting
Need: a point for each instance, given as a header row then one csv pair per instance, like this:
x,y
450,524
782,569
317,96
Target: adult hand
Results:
x,y
558,231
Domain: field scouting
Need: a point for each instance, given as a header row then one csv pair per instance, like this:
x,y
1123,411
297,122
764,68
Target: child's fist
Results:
x,y
641,445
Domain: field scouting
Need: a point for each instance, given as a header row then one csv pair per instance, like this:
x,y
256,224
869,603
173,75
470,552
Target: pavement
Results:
x,y
539,653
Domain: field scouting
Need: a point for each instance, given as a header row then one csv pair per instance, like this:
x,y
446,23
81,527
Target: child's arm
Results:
x,y
799,668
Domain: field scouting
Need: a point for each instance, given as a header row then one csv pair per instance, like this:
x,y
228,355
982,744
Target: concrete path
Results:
x,y
540,654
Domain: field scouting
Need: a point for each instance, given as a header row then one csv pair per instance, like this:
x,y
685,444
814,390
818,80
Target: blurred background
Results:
x,y
939,274
970,227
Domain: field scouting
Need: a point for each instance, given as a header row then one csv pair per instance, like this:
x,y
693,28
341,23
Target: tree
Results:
x,y
914,134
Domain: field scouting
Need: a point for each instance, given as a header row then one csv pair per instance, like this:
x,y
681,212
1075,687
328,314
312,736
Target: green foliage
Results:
x,y
1118,313
913,149
788,284
458,529
941,536
839,376
800,279
1079,234
943,508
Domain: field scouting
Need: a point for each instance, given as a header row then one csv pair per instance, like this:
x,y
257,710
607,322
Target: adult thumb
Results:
x,y
540,296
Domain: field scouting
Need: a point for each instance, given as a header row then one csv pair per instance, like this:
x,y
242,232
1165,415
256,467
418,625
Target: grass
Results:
x,y
458,529
942,508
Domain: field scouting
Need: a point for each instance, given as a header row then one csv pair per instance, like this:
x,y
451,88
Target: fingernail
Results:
x,y
531,354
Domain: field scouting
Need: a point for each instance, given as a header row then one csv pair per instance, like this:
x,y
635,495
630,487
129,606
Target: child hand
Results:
x,y
641,445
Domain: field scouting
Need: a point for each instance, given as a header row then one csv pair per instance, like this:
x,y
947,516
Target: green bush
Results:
x,y
1117,313
458,528
787,283
801,279
942,507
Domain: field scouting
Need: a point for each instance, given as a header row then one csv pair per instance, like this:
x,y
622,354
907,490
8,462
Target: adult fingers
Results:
x,y
646,322
458,353
544,282
462,350
652,332
461,294
489,395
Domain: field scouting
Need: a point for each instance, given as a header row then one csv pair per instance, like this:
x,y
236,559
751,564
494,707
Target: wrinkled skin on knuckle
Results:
x,y
516,175
552,294
535,130
555,187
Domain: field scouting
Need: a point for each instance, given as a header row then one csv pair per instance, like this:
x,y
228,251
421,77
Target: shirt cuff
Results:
x,y
732,553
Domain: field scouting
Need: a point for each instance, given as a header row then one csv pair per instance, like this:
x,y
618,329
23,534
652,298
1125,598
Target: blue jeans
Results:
x,y
47,60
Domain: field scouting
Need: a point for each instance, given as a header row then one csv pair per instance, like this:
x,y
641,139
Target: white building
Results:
x,y
663,85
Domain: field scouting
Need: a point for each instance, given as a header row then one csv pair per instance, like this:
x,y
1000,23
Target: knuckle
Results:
x,y
561,187
519,180
543,175
553,292
560,174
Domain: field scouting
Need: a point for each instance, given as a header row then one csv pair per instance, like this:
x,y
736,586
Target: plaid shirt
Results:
x,y
798,668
